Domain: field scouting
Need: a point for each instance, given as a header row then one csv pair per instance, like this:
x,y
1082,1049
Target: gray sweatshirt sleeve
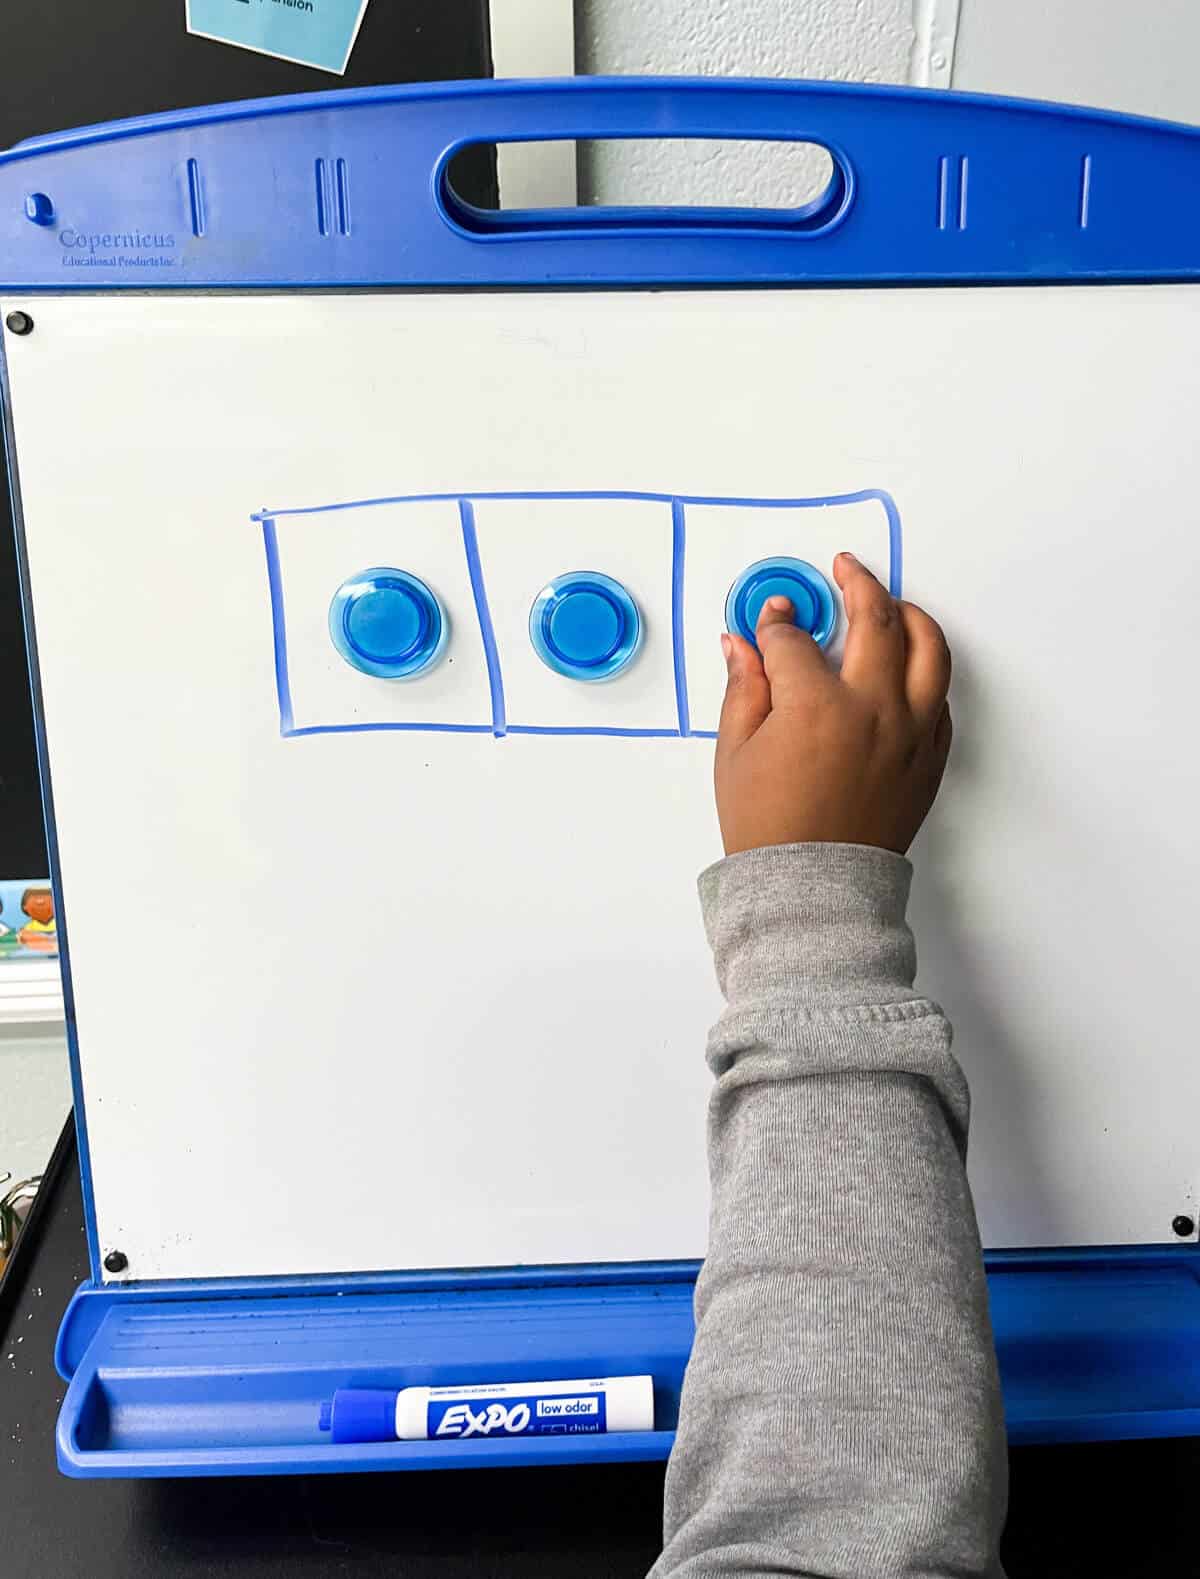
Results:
x,y
841,1412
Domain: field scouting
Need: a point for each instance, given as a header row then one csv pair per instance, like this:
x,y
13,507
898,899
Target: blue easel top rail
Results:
x,y
348,189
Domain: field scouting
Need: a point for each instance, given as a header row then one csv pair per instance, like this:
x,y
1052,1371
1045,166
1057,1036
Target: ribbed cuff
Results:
x,y
821,924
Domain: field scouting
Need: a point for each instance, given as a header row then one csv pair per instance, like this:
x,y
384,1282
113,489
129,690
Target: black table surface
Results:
x,y
1115,1511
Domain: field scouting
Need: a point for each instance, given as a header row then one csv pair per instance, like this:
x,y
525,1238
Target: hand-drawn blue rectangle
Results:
x,y
498,725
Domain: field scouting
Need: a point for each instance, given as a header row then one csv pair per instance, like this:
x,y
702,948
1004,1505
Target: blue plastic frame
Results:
x,y
47,793
348,190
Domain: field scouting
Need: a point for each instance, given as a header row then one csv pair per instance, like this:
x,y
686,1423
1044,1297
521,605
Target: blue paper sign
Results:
x,y
317,33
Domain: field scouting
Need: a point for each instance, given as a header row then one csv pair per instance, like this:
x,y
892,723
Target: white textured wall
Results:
x,y
850,40
1137,55
869,40
534,38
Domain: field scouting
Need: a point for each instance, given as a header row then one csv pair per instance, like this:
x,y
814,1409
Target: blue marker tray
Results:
x,y
353,190
172,1380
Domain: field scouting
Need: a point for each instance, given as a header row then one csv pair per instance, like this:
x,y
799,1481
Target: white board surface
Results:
x,y
411,998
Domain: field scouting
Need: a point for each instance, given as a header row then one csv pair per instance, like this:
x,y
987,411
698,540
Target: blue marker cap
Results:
x,y
810,593
360,1414
387,623
585,625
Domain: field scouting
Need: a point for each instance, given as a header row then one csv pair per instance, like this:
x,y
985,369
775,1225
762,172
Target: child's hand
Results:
x,y
804,755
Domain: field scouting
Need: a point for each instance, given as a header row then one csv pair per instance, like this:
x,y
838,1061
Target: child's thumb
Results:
x,y
747,694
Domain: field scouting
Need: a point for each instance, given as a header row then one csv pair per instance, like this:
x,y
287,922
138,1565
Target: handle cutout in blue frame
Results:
x,y
831,195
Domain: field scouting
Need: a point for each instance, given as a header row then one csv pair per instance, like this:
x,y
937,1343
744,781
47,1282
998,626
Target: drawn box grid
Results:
x,y
692,547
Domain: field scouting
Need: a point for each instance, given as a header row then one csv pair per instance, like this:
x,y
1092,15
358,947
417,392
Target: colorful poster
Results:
x,y
27,921
317,33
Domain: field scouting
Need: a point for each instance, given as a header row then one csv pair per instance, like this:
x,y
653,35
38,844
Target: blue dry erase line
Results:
x,y
490,1409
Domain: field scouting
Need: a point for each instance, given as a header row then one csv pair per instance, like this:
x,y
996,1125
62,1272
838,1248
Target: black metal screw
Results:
x,y
19,323
116,1261
1183,1225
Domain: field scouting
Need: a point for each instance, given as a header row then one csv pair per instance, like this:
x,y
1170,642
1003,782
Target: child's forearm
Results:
x,y
841,1414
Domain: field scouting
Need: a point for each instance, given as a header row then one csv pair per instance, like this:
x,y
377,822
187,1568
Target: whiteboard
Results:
x,y
397,997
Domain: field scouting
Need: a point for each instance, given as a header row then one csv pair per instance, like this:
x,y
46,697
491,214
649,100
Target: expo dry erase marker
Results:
x,y
489,1409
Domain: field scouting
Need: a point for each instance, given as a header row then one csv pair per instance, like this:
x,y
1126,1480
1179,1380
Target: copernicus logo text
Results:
x,y
118,240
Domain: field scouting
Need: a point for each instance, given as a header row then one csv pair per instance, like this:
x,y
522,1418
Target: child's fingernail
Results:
x,y
727,647
853,558
779,603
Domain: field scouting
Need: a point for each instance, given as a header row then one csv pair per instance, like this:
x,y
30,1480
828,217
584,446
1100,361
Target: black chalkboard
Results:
x,y
75,62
